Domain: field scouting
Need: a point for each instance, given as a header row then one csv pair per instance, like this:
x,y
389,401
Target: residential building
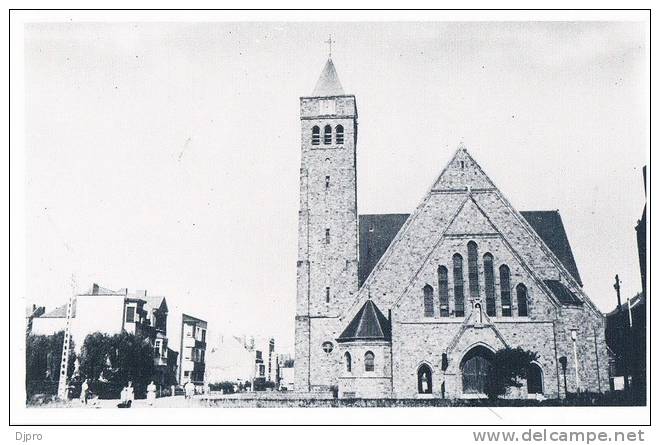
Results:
x,y
192,351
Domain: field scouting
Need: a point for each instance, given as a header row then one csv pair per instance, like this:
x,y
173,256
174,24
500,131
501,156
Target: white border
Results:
x,y
20,415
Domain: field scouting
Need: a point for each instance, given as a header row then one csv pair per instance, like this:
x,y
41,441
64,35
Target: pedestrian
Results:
x,y
84,391
151,393
189,389
130,394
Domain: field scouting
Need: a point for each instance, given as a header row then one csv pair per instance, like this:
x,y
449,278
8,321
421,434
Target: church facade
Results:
x,y
415,306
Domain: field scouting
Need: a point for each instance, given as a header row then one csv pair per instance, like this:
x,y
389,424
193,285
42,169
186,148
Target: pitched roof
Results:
x,y
328,83
368,324
376,235
60,311
550,228
562,293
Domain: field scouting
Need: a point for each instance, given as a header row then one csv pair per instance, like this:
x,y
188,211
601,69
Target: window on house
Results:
x,y
316,135
369,361
327,182
130,314
505,290
347,361
428,301
327,236
473,269
327,295
327,135
203,335
521,294
489,278
327,347
459,297
339,134
443,291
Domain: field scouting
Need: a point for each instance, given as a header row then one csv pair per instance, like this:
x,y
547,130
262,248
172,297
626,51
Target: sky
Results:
x,y
166,156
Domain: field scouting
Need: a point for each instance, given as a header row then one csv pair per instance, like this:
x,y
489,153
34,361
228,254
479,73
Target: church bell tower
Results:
x,y
327,228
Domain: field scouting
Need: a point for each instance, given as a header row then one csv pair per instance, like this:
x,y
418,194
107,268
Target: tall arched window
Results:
x,y
316,135
369,361
428,301
347,361
443,291
327,135
521,298
424,379
339,134
505,290
489,278
473,269
459,297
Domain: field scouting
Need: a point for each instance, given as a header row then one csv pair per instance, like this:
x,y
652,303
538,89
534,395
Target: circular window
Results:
x,y
327,347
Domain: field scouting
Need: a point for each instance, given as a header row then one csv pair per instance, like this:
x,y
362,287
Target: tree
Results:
x,y
94,356
110,362
43,358
509,366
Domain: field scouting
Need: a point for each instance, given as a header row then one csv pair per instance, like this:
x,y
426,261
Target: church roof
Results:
x,y
368,324
378,231
328,84
562,293
376,235
550,228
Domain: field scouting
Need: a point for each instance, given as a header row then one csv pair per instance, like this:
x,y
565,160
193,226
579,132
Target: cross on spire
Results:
x,y
330,42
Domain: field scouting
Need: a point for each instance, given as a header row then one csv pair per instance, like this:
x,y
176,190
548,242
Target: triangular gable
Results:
x,y
461,183
461,173
470,219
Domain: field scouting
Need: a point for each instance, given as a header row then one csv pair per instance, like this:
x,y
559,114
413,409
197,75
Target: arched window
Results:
x,y
428,301
347,361
521,294
534,379
489,278
459,309
369,361
327,135
339,134
473,269
505,290
316,135
424,379
443,291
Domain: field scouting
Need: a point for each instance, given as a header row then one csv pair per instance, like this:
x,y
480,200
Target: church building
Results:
x,y
415,306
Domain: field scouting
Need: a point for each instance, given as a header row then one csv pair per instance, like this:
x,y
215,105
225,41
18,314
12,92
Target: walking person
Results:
x,y
151,393
84,392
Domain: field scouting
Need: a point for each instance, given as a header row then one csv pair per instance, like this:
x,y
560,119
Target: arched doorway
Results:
x,y
424,379
534,379
475,369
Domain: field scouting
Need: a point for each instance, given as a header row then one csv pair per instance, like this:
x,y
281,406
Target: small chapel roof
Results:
x,y
328,83
368,324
